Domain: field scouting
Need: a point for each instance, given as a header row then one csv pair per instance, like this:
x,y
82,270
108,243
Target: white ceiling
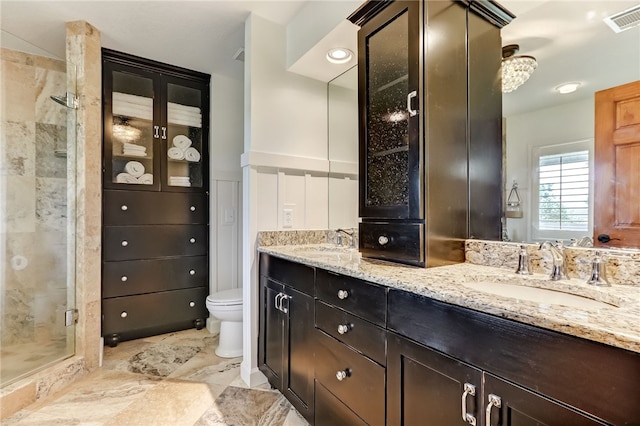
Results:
x,y
568,37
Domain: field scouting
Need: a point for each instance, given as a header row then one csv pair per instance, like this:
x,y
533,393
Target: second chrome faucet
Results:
x,y
559,268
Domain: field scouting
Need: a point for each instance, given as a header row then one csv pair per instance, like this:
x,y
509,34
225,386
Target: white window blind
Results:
x,y
563,193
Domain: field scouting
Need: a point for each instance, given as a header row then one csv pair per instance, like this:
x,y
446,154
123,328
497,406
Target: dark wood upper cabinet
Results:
x,y
429,127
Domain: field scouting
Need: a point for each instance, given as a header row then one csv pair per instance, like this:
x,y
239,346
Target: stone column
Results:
x,y
83,51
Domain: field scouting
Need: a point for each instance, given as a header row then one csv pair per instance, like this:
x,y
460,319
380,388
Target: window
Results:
x,y
562,191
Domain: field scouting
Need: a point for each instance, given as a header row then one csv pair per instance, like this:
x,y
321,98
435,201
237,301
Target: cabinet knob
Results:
x,y
124,208
192,240
343,294
124,243
123,314
343,328
192,272
192,208
192,304
383,240
342,374
123,278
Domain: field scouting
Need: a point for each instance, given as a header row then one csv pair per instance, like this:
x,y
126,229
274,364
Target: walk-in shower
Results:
x,y
37,209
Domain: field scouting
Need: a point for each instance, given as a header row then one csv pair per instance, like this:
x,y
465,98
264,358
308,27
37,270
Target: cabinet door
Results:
x,y
131,127
271,348
184,139
427,388
521,407
389,88
299,351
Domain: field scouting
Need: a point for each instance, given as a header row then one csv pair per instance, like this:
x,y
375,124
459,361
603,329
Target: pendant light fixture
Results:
x,y
516,69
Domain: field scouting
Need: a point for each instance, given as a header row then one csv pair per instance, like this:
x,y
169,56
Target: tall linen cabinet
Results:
x,y
155,200
430,107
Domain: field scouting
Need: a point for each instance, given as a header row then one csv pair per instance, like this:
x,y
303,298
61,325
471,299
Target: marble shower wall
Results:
x,y
33,205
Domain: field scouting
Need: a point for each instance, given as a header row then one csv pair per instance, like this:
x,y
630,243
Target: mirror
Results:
x,y
342,95
571,43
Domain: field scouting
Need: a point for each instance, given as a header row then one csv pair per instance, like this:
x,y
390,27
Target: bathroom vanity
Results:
x,y
391,344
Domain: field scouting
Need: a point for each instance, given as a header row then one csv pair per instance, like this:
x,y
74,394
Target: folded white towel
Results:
x,y
133,99
171,106
146,179
175,153
182,142
133,153
189,123
182,115
192,154
133,146
132,111
126,178
134,168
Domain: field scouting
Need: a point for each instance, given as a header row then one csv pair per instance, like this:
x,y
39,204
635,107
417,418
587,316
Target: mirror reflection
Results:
x,y
543,128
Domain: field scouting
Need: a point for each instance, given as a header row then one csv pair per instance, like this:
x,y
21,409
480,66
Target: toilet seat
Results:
x,y
226,297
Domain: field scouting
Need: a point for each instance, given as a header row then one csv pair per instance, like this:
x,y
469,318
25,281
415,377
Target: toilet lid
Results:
x,y
227,297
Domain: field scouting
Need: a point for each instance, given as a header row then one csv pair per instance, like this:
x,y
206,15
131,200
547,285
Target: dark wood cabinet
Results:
x,y
155,199
286,331
429,128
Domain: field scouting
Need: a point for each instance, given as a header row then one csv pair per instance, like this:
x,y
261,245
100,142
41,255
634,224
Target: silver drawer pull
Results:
x,y
343,294
494,401
123,278
124,243
341,375
192,304
192,240
469,389
192,272
124,207
383,240
343,328
192,208
123,314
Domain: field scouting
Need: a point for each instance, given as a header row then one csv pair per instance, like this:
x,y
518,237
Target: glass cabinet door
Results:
x,y
390,152
130,131
186,105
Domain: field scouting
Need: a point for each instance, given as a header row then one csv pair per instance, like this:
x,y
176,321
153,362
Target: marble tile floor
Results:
x,y
173,379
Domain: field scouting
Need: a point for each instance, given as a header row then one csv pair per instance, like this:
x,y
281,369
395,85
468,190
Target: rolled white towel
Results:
x,y
192,154
146,179
182,142
134,168
126,178
175,153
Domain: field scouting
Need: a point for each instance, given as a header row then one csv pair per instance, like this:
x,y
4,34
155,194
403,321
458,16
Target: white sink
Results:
x,y
537,295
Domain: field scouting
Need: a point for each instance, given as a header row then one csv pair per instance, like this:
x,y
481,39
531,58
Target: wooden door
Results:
x,y
617,165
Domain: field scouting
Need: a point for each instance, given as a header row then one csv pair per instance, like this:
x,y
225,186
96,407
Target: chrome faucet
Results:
x,y
523,261
598,276
350,235
581,242
559,270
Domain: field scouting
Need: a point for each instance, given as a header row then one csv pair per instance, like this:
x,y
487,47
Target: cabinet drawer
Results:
x,y
142,242
145,276
355,332
364,299
154,313
330,411
363,390
154,208
295,275
400,242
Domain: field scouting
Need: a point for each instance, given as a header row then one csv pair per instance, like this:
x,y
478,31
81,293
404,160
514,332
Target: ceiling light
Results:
x,y
568,87
339,55
516,69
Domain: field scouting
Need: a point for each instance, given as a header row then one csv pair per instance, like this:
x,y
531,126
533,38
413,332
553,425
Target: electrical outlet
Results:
x,y
287,218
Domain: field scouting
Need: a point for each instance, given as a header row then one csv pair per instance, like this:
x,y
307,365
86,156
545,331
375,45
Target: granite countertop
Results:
x,y
610,315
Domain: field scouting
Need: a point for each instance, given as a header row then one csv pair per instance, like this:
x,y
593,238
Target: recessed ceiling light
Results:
x,y
339,55
568,87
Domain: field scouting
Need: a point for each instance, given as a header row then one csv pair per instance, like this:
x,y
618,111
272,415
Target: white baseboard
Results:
x,y
251,377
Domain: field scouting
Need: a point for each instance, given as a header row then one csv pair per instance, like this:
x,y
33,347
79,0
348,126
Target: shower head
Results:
x,y
68,100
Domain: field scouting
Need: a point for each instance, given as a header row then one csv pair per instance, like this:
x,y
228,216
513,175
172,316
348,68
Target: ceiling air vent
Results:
x,y
624,20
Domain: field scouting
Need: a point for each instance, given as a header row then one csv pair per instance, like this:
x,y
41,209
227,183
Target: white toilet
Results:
x,y
227,307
